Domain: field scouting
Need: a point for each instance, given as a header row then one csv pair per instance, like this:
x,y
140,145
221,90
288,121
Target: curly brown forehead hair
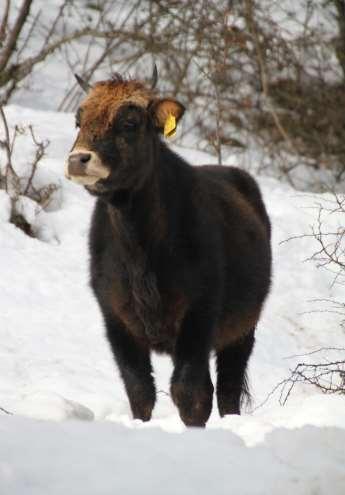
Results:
x,y
100,106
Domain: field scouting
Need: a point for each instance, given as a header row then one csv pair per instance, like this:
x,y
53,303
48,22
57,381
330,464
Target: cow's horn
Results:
x,y
154,77
83,84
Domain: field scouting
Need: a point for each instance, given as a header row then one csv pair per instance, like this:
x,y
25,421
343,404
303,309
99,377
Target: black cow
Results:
x,y
180,255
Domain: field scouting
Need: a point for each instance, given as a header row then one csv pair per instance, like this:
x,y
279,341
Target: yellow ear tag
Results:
x,y
170,126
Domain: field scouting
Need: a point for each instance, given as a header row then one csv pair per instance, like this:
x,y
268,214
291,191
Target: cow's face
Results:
x,y
118,122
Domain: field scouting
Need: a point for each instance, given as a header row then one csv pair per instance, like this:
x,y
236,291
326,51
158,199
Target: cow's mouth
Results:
x,y
84,180
85,168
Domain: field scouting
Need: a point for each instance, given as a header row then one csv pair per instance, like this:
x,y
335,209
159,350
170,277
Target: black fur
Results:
x,y
232,384
180,263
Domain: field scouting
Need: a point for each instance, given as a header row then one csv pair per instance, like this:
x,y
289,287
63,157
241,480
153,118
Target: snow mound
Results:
x,y
37,458
47,404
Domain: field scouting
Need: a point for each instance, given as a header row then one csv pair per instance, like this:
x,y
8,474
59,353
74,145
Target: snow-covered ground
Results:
x,y
107,459
55,364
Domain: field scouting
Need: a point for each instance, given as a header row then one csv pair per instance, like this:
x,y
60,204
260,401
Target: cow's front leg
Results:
x,y
191,385
135,367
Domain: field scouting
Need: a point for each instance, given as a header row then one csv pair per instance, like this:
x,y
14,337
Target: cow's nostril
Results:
x,y
85,157
77,163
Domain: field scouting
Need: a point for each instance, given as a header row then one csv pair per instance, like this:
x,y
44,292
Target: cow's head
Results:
x,y
118,124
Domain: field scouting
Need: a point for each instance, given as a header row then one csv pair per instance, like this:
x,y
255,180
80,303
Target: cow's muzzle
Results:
x,y
85,167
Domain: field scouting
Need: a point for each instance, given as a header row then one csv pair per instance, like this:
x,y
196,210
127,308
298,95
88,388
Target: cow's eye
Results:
x,y
130,125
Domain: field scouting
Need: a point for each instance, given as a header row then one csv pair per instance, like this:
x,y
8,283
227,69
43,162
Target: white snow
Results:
x,y
104,458
55,363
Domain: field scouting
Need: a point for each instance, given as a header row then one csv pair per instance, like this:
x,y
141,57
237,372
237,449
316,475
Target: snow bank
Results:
x,y
37,458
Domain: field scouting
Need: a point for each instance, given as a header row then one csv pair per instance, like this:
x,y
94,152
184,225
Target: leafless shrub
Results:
x,y
17,186
327,376
251,71
331,252
329,234
18,60
274,76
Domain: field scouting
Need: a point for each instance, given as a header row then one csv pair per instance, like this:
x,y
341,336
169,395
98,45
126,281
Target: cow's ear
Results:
x,y
166,113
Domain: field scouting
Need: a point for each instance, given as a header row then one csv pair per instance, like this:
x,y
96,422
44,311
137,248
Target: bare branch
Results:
x,y
4,23
5,411
39,154
327,376
11,178
10,46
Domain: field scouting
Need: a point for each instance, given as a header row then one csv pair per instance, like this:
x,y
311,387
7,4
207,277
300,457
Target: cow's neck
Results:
x,y
140,215
138,223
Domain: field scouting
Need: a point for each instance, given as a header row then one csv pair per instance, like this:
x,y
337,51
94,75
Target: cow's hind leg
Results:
x,y
135,367
232,384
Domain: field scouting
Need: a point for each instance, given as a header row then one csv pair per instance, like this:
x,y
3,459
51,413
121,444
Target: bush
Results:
x,y
21,190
